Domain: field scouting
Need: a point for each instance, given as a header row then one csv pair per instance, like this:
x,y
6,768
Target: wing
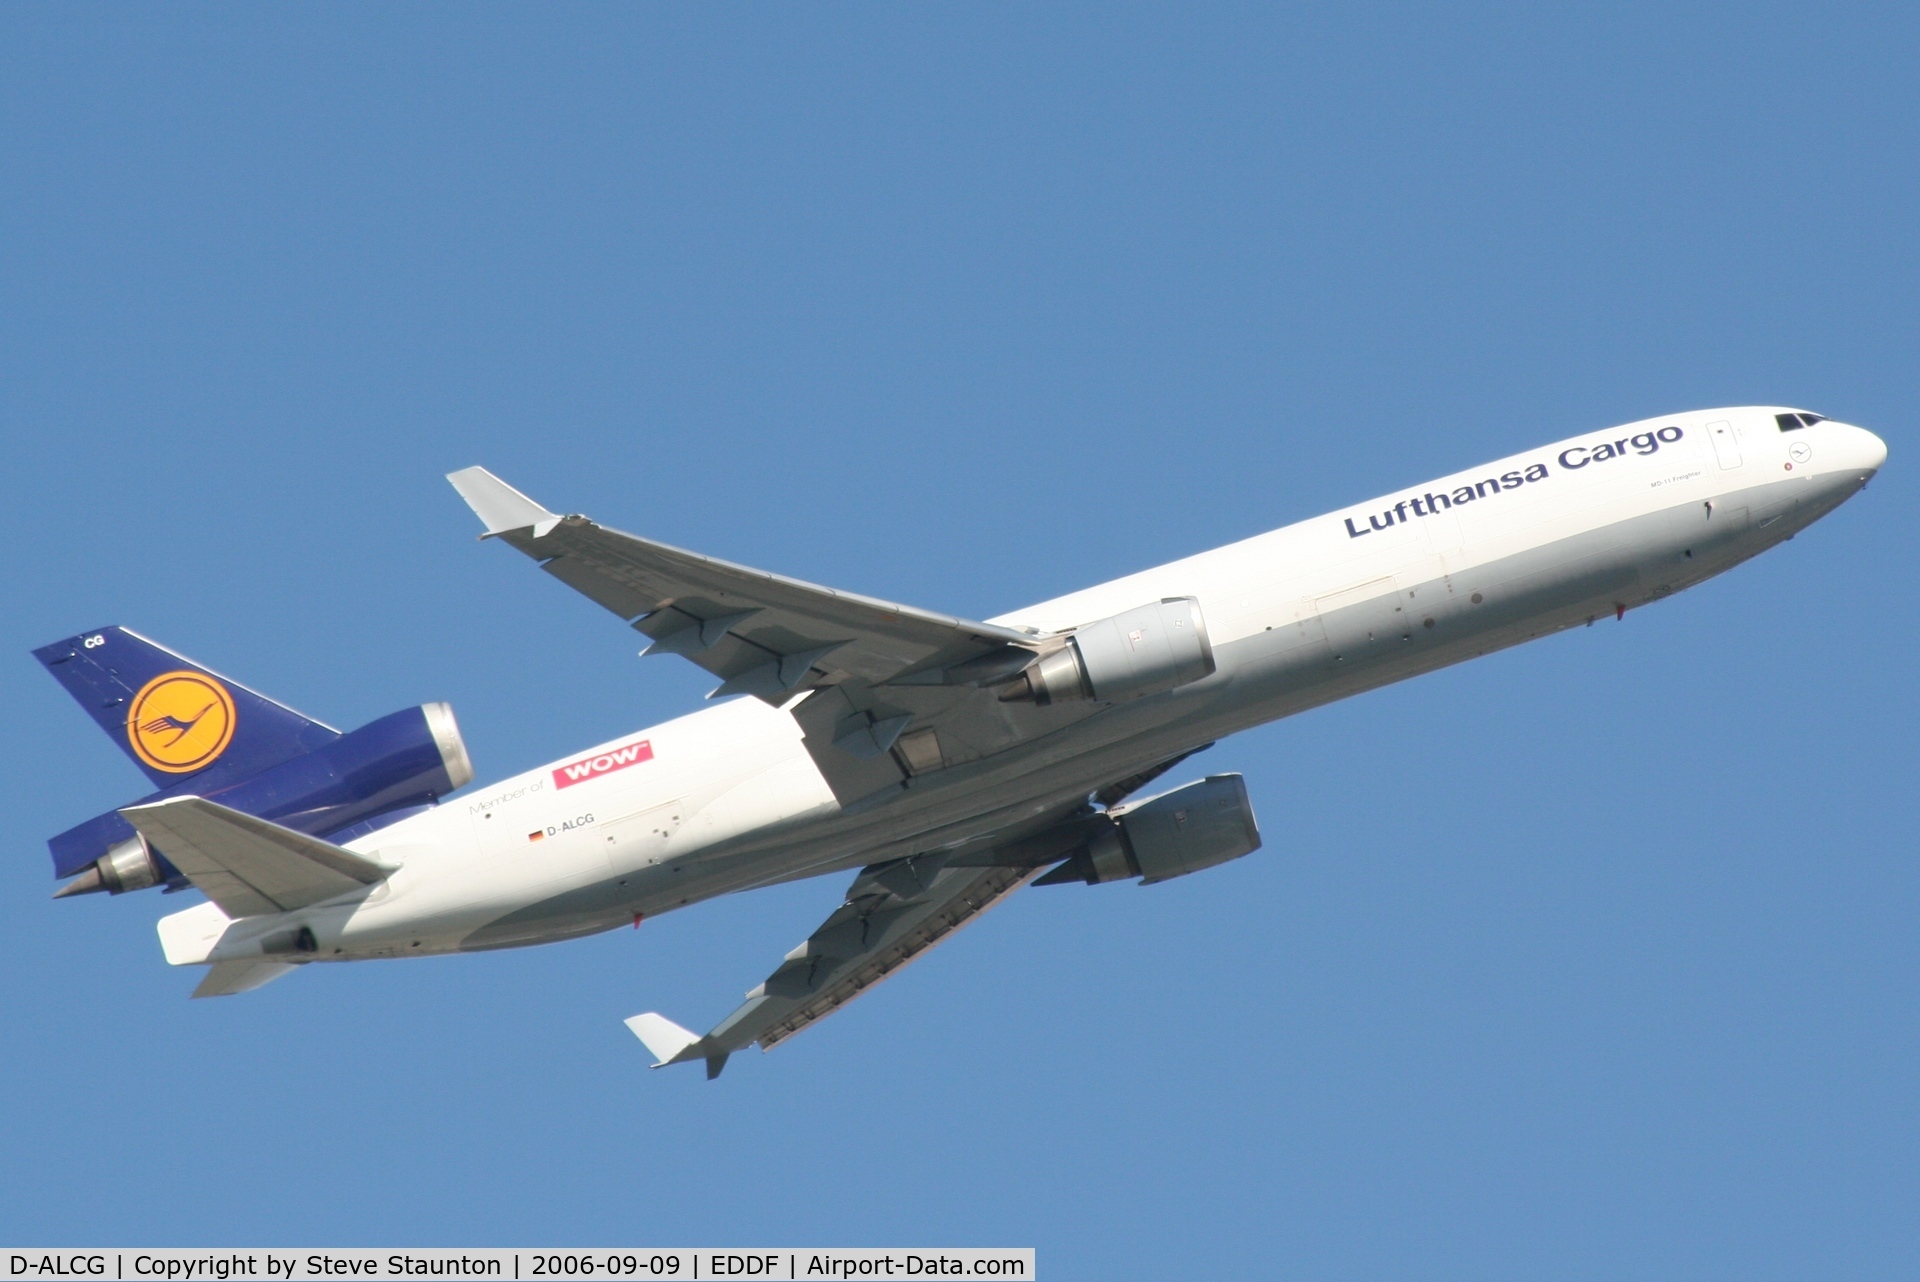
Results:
x,y
246,865
899,691
893,913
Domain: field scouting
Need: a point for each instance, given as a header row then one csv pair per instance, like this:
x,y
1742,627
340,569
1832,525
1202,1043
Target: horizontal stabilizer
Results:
x,y
226,978
246,865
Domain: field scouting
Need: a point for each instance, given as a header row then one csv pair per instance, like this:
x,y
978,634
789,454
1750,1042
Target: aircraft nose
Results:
x,y
1863,450
1873,448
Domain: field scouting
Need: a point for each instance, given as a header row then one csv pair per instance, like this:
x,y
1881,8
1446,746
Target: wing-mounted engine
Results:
x,y
1196,826
896,911
1148,650
871,740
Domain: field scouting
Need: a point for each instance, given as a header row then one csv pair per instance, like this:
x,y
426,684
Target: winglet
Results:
x,y
672,1044
498,504
666,1039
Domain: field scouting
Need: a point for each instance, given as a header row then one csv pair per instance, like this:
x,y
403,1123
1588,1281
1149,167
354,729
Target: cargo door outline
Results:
x,y
641,838
1726,446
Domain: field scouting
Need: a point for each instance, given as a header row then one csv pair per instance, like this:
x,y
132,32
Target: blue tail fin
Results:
x,y
176,719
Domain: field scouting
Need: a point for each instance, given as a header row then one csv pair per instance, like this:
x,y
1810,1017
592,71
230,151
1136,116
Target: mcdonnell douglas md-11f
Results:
x,y
950,761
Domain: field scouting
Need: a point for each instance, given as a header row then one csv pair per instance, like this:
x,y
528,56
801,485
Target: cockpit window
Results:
x,y
1794,422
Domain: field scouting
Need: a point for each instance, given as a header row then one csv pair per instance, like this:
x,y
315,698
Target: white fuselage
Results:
x,y
728,798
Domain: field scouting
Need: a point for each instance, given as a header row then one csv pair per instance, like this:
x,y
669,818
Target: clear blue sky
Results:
x,y
1595,959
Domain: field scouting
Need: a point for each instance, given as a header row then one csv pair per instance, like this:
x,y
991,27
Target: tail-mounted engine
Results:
x,y
379,772
1147,650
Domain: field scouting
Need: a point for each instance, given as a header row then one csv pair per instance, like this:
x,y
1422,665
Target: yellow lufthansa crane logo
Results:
x,y
180,722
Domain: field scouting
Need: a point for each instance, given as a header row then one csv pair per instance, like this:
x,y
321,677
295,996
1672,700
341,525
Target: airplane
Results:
x,y
949,761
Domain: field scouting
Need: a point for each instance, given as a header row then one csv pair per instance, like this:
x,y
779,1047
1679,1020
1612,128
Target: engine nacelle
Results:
x,y
407,758
1193,827
1147,650
128,866
402,761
